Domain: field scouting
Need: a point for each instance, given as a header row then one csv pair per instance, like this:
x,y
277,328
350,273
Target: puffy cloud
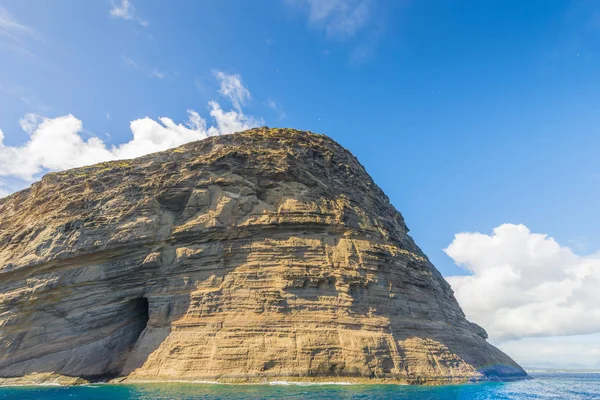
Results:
x,y
525,284
230,121
338,18
233,89
53,144
126,10
57,143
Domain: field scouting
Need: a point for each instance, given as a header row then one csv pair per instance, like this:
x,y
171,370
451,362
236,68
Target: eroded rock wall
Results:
x,y
267,253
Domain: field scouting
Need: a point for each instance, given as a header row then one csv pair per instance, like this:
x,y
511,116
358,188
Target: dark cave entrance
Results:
x,y
141,314
141,307
136,314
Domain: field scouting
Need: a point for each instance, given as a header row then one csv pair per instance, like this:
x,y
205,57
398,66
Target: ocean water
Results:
x,y
561,386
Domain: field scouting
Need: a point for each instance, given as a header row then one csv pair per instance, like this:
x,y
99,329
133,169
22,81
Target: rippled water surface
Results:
x,y
543,386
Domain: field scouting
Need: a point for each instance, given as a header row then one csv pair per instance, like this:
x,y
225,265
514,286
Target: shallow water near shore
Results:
x,y
560,386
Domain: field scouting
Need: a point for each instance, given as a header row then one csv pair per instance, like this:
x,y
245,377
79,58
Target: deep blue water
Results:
x,y
543,386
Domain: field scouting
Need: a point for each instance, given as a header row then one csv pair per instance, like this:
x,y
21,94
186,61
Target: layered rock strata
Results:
x,y
266,254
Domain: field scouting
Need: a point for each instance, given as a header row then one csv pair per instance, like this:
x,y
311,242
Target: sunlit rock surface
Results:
x,y
264,254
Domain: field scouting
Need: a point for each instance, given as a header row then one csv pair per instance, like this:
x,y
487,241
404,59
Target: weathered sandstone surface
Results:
x,y
264,254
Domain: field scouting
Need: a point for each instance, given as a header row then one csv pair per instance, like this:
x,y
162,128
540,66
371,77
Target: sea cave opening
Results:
x,y
142,313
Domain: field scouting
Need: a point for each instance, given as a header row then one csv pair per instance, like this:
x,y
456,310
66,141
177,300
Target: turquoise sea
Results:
x,y
562,386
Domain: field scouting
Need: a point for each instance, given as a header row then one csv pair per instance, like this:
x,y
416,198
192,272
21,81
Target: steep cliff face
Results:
x,y
265,254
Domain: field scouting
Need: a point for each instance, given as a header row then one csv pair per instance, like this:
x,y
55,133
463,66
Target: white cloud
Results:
x,y
53,144
525,284
338,18
57,143
126,10
233,89
230,121
149,72
30,122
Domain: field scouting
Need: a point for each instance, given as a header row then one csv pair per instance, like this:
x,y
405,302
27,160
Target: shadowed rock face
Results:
x,y
267,253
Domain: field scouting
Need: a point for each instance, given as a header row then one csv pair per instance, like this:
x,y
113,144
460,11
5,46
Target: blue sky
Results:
x,y
469,115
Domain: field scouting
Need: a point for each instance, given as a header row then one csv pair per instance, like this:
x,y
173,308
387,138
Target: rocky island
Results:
x,y
268,254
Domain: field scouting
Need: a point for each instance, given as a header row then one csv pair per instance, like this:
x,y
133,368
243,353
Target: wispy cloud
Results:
x,y
16,35
27,96
12,28
126,10
277,108
148,71
357,23
338,18
233,89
